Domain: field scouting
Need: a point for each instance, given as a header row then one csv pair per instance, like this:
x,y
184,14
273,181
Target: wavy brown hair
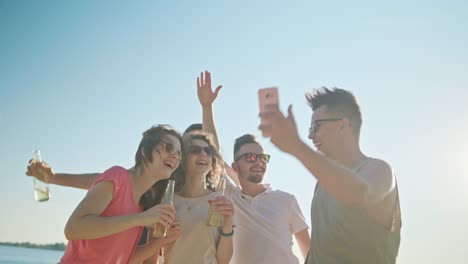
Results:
x,y
217,163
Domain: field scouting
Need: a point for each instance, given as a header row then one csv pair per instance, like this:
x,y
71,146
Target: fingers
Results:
x,y
163,213
222,206
217,90
290,114
208,78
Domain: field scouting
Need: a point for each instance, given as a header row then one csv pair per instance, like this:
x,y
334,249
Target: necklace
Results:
x,y
190,203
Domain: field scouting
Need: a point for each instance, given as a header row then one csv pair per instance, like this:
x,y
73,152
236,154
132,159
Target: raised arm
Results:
x,y
43,172
339,181
206,96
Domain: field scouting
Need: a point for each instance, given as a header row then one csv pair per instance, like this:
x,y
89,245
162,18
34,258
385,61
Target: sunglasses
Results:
x,y
315,126
171,149
252,157
197,150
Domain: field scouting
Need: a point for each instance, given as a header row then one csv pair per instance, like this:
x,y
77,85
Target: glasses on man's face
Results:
x,y
198,149
252,157
171,149
316,124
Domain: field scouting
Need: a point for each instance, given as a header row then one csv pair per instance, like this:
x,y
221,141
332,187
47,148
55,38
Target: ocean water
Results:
x,y
19,255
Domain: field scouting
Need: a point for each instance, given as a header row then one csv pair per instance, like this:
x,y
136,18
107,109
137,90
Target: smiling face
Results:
x,y
166,156
199,157
326,130
250,170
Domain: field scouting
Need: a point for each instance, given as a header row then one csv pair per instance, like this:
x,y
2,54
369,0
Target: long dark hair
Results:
x,y
151,138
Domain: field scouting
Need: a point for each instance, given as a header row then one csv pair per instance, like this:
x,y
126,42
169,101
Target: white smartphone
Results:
x,y
267,96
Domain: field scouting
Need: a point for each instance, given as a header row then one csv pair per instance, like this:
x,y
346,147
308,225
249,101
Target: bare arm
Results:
x,y
224,249
86,222
43,172
80,181
341,182
303,240
207,97
149,253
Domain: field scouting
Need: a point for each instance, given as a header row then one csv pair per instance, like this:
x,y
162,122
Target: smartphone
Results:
x,y
267,96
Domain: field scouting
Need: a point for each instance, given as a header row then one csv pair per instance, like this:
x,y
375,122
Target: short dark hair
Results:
x,y
243,140
193,127
339,101
151,138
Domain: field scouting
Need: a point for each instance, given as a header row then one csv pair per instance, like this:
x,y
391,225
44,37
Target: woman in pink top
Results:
x,y
106,225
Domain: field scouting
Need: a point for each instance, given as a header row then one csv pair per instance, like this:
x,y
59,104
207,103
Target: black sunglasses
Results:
x,y
315,126
197,150
252,157
171,149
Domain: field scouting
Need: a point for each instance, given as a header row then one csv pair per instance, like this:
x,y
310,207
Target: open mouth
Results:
x,y
168,164
201,163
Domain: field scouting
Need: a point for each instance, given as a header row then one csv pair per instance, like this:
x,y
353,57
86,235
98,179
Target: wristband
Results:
x,y
226,235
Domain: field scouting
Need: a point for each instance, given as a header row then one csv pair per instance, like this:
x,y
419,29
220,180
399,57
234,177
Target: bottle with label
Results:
x,y
215,219
41,189
160,230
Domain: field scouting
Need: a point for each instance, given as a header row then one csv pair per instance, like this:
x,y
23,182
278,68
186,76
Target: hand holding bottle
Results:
x,y
163,214
224,207
40,170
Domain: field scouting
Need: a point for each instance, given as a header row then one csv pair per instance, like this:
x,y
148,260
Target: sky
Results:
x,y
82,80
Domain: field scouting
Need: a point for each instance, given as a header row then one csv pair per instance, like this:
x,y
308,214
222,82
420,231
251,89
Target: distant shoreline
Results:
x,y
54,246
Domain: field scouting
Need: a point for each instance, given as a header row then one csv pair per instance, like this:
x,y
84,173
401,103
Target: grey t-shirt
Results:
x,y
345,234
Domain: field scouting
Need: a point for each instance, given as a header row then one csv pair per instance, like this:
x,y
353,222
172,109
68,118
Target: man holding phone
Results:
x,y
355,210
266,219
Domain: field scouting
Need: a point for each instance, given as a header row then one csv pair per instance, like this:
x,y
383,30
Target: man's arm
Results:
x,y
341,182
43,172
207,97
303,240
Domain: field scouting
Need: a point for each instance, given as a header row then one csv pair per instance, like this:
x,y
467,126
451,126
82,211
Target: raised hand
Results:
x,y
224,207
40,170
161,213
281,129
206,96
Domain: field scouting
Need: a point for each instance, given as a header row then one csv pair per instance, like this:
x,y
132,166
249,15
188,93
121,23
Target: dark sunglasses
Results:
x,y
197,150
315,126
252,157
171,149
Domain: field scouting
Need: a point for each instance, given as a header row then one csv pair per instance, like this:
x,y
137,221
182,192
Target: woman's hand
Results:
x,y
41,171
224,207
161,213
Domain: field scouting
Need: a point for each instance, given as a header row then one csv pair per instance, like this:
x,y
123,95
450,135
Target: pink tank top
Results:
x,y
116,248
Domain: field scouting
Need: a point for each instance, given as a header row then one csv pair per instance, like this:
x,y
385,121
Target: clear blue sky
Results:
x,y
82,80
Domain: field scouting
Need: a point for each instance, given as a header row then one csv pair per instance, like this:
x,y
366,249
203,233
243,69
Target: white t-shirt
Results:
x,y
264,226
197,241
